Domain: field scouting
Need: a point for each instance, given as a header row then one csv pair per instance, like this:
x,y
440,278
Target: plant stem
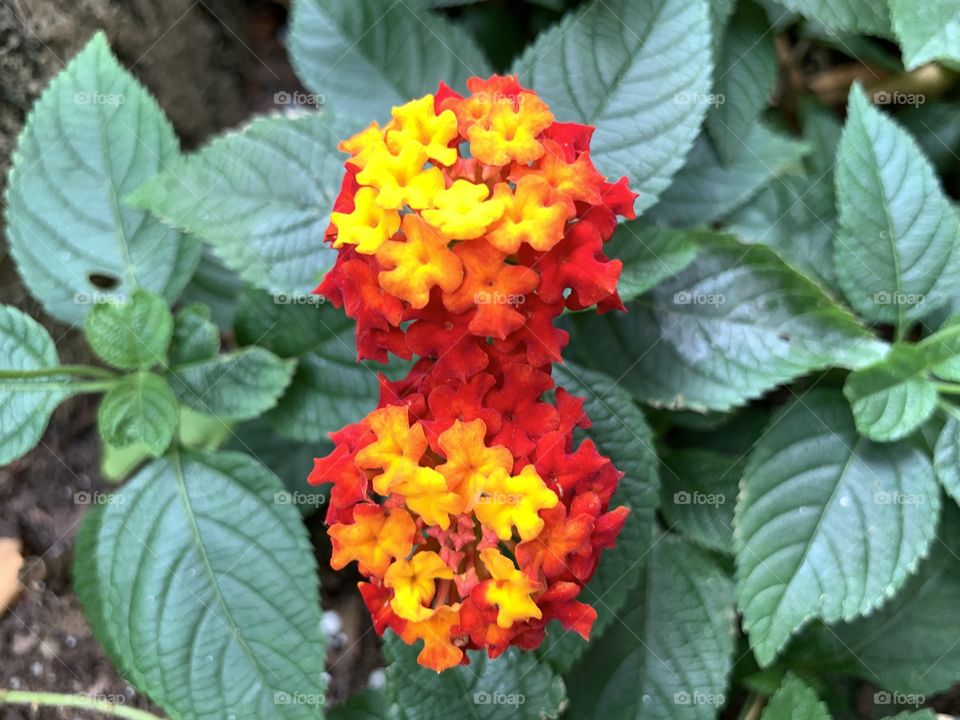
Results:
x,y
76,387
88,370
18,697
948,388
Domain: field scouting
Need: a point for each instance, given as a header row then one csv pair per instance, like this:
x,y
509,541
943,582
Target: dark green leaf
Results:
x,y
649,255
699,496
795,701
140,409
195,337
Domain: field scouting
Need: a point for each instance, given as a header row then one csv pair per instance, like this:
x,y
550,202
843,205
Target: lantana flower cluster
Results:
x,y
465,226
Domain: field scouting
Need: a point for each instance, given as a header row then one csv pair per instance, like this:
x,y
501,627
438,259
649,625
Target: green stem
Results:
x,y
18,697
75,387
88,370
948,388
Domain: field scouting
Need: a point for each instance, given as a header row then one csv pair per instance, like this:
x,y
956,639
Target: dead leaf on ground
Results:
x,y
10,562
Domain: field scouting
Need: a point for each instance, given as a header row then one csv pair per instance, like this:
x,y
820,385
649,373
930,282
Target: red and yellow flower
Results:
x,y
464,227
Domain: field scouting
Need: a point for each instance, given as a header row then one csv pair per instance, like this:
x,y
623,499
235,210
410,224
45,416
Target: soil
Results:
x,y
233,57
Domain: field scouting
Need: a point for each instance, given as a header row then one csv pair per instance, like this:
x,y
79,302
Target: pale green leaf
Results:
x,y
233,386
93,136
896,254
131,334
928,32
513,685
365,55
736,323
639,72
946,458
861,16
25,346
829,525
204,590
894,397
195,337
140,409
260,197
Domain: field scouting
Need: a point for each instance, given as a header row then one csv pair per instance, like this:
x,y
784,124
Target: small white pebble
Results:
x,y
37,669
15,683
377,679
331,623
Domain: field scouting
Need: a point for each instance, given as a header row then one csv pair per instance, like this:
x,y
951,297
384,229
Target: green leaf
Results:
x,y
736,323
794,215
330,388
93,136
649,254
795,701
195,337
896,254
215,286
674,651
859,16
699,495
367,705
366,55
639,72
894,397
707,188
289,460
910,644
133,334
140,409
927,34
234,386
205,589
812,496
261,198
24,413
946,458
620,432
746,73
288,325
513,685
